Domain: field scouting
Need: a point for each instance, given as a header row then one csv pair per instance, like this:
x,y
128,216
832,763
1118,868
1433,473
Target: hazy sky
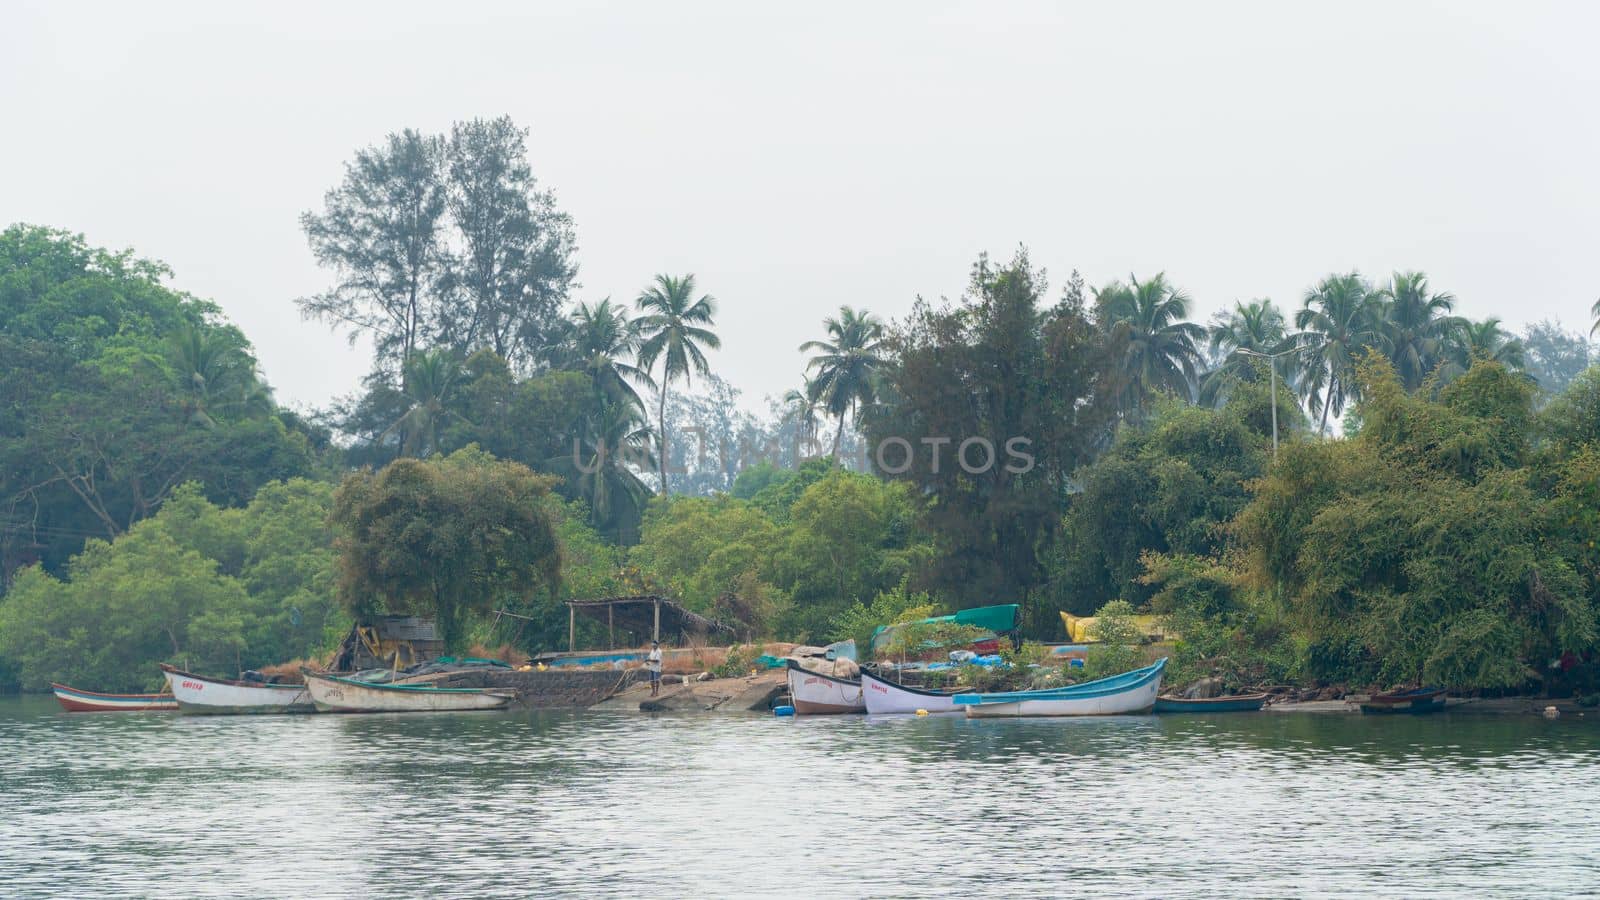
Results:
x,y
835,154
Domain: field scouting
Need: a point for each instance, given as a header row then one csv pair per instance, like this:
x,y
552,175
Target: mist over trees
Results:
x,y
1429,510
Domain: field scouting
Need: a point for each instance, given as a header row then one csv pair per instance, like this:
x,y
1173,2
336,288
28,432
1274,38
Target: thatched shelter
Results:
x,y
643,617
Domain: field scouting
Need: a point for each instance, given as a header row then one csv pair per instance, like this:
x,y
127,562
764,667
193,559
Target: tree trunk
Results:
x,y
837,434
1322,430
661,437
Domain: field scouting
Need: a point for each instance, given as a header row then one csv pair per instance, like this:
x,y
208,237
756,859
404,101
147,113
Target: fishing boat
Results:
x,y
816,694
74,700
1414,702
885,697
199,695
1235,703
1130,692
331,693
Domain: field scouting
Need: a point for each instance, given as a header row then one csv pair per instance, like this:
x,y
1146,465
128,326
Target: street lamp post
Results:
x,y
1272,363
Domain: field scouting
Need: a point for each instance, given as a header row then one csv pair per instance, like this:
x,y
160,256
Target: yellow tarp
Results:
x,y
1149,626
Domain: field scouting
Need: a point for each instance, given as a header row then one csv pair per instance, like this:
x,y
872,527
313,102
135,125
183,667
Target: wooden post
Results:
x,y
656,634
572,628
611,628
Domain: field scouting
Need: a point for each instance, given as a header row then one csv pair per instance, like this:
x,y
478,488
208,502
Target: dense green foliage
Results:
x,y
201,586
445,537
1430,513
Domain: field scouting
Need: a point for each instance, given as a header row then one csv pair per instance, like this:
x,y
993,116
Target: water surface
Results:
x,y
496,804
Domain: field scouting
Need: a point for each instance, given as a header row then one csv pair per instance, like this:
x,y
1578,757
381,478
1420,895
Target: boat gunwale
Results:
x,y
920,692
415,688
166,667
57,686
1115,684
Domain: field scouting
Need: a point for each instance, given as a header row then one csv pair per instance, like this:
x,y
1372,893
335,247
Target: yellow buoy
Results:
x,y
922,712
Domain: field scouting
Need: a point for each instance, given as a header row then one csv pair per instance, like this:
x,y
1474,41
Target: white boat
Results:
x,y
334,694
816,694
885,697
1130,692
198,695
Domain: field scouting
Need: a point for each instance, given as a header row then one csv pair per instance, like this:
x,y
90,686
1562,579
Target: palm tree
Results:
x,y
600,340
430,378
674,329
1160,349
1481,340
800,407
1257,327
615,435
1336,323
846,364
1415,326
1596,313
215,375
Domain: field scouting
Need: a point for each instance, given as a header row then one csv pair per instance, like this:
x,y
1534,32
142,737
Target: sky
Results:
x,y
803,156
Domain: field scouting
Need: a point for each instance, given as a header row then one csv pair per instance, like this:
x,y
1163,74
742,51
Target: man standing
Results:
x,y
653,663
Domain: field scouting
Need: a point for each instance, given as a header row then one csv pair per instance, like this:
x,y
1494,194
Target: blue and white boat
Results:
x,y
1130,692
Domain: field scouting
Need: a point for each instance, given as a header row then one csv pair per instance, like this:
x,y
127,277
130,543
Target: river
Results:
x,y
572,803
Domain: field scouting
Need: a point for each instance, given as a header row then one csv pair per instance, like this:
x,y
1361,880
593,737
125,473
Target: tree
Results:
x,y
446,537
613,439
1160,351
1027,394
1480,340
675,329
1256,327
382,232
600,343
1337,324
1595,311
846,365
1414,325
1555,356
514,266
215,374
800,410
431,377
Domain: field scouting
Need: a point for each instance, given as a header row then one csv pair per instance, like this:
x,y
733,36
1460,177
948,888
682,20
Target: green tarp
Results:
x,y
998,619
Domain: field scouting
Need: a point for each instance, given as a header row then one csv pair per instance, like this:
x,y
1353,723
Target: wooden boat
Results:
x,y
198,695
1130,692
74,700
1415,702
885,697
334,694
816,694
1235,703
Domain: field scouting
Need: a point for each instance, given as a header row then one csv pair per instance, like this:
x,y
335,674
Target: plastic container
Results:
x,y
783,710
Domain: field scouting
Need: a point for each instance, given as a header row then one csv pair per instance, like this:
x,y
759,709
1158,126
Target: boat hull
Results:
x,y
884,697
1125,694
343,695
1239,703
815,694
75,700
198,695
1407,703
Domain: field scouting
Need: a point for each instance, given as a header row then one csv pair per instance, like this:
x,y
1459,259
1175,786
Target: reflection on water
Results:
x,y
563,803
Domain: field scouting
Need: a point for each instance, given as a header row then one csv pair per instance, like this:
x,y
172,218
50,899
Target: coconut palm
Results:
x,y
612,439
1415,326
847,366
1337,324
1481,340
1160,349
1257,327
674,329
430,379
800,407
600,341
215,375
